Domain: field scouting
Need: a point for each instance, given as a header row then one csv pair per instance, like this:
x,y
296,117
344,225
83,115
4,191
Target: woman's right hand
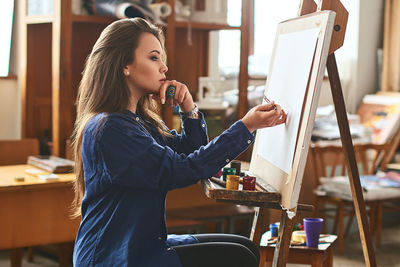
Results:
x,y
266,115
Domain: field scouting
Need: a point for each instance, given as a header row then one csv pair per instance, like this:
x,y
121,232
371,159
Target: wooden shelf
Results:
x,y
205,26
178,24
9,77
55,48
38,19
93,19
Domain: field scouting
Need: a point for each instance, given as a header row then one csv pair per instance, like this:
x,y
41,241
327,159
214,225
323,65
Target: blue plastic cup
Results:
x,y
312,227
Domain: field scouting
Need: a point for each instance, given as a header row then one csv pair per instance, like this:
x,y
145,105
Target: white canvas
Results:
x,y
287,87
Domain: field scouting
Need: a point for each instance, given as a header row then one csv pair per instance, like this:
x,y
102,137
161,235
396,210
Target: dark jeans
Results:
x,y
219,250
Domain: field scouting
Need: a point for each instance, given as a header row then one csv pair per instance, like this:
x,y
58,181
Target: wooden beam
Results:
x,y
281,253
62,100
351,164
247,20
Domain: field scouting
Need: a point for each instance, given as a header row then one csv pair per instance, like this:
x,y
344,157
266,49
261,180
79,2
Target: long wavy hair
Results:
x,y
103,87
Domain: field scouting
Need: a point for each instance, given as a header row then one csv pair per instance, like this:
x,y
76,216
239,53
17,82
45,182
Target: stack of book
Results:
x,y
52,164
374,187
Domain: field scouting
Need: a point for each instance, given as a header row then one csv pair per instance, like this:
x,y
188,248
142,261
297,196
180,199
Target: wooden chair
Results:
x,y
17,152
369,157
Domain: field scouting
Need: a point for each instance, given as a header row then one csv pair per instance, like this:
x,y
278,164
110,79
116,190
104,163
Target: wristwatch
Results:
x,y
193,114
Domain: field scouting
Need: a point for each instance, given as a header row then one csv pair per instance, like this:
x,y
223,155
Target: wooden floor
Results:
x,y
387,255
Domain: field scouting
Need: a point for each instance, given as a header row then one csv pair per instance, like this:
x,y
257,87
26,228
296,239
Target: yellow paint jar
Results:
x,y
232,182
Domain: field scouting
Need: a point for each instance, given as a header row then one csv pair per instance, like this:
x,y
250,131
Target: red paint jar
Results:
x,y
249,183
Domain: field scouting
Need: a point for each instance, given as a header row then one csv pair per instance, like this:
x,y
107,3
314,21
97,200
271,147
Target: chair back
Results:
x,y
17,151
329,161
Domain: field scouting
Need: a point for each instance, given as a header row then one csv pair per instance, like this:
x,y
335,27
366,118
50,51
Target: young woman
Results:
x,y
127,160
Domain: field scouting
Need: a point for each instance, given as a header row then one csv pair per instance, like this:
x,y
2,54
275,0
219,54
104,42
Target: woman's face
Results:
x,y
146,73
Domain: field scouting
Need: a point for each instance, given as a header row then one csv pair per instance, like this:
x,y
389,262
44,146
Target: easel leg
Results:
x,y
260,225
281,254
359,205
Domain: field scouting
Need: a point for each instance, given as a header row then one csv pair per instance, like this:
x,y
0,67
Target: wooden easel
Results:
x,y
341,115
268,198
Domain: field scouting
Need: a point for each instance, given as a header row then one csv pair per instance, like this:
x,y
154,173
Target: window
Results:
x,y
229,41
6,20
267,14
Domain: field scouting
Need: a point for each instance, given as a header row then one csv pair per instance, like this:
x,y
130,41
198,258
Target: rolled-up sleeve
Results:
x,y
131,157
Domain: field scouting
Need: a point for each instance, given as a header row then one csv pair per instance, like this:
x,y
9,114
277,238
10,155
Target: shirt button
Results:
x,y
227,160
159,238
137,119
249,141
203,125
168,248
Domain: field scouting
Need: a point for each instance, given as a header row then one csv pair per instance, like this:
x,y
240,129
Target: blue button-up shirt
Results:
x,y
128,170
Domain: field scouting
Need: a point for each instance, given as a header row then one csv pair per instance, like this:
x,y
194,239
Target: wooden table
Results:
x,y
317,257
35,212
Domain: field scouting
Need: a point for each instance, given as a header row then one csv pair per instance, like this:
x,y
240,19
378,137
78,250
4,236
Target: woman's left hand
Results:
x,y
182,96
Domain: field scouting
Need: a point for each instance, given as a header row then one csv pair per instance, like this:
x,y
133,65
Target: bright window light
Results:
x,y
6,21
267,14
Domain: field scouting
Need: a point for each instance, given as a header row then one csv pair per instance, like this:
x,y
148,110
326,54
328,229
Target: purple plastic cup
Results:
x,y
312,227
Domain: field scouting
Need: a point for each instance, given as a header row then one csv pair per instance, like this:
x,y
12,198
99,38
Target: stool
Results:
x,y
317,257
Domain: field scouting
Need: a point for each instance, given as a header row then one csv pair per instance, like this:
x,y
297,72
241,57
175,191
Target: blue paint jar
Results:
x,y
274,229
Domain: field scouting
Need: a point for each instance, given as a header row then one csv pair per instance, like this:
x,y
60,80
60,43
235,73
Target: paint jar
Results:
x,y
228,171
249,183
236,165
273,228
232,182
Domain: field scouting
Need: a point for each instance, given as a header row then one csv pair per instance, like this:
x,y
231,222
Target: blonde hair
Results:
x,y
103,87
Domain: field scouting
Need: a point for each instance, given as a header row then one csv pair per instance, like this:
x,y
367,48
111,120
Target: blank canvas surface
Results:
x,y
294,82
287,87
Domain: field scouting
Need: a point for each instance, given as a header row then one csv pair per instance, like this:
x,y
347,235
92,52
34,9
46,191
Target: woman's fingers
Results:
x,y
171,92
267,107
163,90
181,95
272,117
177,97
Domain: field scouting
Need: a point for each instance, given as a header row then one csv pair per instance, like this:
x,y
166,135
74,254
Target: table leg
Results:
x,y
341,228
263,258
379,214
316,261
16,257
65,254
328,262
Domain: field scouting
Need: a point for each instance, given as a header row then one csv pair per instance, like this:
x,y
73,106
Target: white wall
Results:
x,y
10,110
370,39
10,97
357,59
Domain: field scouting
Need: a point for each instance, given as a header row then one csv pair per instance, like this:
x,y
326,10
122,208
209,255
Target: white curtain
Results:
x,y
391,47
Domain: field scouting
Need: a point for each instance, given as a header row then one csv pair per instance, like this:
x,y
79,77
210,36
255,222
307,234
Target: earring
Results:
x,y
127,73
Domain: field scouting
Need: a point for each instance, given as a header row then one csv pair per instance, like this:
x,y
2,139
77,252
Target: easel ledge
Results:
x,y
213,188
263,202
